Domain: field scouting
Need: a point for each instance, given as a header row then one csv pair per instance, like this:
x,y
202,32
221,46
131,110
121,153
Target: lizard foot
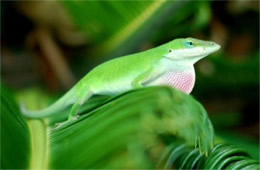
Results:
x,y
74,117
61,124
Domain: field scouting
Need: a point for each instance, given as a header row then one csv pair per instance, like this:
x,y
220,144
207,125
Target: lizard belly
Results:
x,y
183,81
112,88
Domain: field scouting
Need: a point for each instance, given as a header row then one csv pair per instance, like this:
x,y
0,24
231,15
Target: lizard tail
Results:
x,y
62,103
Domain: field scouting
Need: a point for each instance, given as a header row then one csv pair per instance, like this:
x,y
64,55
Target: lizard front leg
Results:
x,y
140,80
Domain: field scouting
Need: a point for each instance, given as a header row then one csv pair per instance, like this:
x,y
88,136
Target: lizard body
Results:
x,y
170,64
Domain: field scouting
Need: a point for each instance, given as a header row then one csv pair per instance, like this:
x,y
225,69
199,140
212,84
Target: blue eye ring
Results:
x,y
188,44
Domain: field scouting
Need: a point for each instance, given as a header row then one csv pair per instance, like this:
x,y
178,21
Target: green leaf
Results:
x,y
130,130
222,156
137,119
138,129
15,135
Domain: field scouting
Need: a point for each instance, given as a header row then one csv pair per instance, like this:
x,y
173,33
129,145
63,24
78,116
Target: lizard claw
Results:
x,y
75,117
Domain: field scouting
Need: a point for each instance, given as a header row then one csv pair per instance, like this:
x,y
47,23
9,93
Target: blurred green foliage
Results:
x,y
222,156
113,28
115,134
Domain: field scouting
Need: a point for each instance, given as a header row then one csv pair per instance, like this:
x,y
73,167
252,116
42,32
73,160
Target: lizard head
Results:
x,y
190,50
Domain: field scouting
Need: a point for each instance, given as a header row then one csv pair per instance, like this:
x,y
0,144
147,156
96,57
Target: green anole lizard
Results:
x,y
170,64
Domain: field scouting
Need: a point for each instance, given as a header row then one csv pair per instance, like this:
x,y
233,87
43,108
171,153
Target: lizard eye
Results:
x,y
170,51
188,44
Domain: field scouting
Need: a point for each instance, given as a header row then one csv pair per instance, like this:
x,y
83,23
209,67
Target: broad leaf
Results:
x,y
134,127
15,134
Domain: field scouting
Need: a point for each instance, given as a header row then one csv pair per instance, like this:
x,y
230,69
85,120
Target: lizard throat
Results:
x,y
181,80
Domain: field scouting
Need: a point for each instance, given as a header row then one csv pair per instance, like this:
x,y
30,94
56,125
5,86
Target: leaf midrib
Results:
x,y
39,145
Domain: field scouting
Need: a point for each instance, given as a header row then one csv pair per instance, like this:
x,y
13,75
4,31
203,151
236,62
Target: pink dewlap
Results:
x,y
183,81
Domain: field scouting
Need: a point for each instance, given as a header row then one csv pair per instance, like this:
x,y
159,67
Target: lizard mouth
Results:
x,y
215,47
